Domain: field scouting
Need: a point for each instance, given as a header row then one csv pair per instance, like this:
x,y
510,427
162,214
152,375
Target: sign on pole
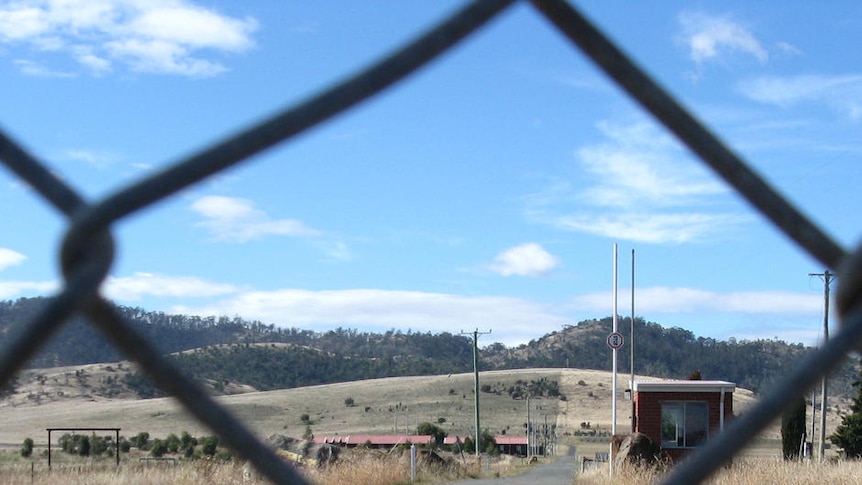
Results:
x,y
615,340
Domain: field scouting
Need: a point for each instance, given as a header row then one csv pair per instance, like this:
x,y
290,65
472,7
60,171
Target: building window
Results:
x,y
684,424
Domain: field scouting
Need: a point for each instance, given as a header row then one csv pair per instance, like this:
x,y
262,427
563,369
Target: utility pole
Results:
x,y
476,334
827,279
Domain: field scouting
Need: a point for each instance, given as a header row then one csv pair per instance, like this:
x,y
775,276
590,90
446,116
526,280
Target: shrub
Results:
x,y
209,445
172,443
141,440
159,448
27,447
84,446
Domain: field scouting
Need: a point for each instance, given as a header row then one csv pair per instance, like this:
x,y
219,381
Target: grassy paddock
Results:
x,y
369,467
746,471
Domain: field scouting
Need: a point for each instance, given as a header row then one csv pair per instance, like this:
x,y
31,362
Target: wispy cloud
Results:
x,y
35,69
233,219
157,36
529,259
664,300
9,258
96,159
840,93
512,320
14,289
642,188
336,250
708,37
140,285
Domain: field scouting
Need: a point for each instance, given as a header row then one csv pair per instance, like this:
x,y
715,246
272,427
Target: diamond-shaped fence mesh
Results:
x,y
87,250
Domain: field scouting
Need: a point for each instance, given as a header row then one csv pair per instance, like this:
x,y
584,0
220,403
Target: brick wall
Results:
x,y
647,409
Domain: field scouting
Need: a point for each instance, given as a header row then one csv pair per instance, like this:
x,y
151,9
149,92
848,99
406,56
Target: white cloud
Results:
x,y
237,220
643,189
336,250
663,300
136,287
14,289
511,320
529,259
9,258
708,36
35,69
156,36
840,93
94,158
683,227
637,166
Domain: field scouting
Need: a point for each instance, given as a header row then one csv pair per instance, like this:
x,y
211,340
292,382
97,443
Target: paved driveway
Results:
x,y
560,472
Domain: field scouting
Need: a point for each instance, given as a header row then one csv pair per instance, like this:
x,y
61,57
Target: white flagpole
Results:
x,y
614,380
614,385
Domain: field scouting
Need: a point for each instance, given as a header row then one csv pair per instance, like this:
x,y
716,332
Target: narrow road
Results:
x,y
560,472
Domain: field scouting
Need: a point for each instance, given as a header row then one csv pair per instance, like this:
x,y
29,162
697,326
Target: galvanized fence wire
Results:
x,y
88,247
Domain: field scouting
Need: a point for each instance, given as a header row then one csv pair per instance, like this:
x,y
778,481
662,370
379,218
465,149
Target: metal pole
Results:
x,y
529,434
476,385
813,421
614,384
632,343
823,398
827,279
614,379
476,334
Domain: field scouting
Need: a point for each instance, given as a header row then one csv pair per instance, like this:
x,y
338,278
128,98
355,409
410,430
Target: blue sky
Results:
x,y
485,191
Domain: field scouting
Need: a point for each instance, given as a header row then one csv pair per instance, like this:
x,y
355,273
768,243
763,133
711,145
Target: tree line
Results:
x,y
226,350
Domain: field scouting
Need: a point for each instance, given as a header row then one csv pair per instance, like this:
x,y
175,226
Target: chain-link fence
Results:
x,y
87,250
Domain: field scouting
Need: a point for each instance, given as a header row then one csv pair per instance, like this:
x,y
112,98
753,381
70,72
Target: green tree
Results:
x,y
141,440
848,435
489,445
793,429
27,447
172,442
84,446
209,445
433,430
159,448
187,444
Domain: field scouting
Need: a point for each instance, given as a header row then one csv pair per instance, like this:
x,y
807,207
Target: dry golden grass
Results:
x,y
746,471
365,467
376,411
103,474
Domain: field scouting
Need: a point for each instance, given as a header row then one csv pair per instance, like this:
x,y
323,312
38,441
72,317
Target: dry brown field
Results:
x,y
67,397
50,398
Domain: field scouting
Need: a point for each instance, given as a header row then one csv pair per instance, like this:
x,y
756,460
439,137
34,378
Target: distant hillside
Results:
x,y
236,352
664,352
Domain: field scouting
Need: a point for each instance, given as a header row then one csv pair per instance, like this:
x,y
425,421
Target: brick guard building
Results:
x,y
681,415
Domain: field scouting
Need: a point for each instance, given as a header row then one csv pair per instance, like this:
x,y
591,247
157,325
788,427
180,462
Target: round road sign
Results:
x,y
615,340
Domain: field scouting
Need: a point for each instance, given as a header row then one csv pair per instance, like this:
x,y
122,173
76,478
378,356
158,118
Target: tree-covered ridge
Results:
x,y
661,352
237,351
267,367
